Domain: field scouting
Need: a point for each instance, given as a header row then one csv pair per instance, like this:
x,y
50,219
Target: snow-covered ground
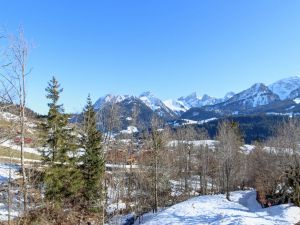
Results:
x,y
216,209
209,143
10,144
5,169
130,130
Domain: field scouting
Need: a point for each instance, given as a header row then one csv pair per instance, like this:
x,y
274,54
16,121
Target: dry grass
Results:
x,y
7,152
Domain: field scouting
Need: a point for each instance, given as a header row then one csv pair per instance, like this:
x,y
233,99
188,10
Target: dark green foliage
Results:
x,y
253,127
92,159
63,183
63,179
56,126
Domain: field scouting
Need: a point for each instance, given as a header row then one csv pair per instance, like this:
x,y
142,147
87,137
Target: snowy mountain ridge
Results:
x,y
257,95
284,87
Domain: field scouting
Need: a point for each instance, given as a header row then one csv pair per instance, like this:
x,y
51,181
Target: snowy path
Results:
x,y
214,210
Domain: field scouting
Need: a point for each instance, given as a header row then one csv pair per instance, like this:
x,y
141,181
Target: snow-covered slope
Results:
x,y
228,96
151,101
176,106
257,95
216,210
193,100
247,101
284,87
156,104
109,99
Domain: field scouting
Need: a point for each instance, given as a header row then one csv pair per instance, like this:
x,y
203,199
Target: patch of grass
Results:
x,y
7,152
5,124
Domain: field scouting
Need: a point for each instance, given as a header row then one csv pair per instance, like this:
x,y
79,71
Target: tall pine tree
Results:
x,y
56,124
63,179
92,159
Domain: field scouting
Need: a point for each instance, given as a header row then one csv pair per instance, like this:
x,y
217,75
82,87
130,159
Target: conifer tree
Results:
x,y
63,179
56,123
92,159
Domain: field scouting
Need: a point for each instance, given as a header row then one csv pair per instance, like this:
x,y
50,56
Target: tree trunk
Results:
x,y
22,139
156,181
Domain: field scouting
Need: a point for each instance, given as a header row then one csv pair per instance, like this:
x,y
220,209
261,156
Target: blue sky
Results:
x,y
170,47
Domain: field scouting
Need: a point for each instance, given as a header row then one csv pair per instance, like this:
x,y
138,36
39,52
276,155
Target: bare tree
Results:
x,y
18,54
284,149
228,149
108,118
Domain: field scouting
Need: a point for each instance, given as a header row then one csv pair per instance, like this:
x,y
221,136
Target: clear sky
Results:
x,y
171,47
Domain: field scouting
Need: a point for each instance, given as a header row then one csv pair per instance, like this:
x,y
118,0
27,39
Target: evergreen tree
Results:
x,y
55,126
93,159
63,179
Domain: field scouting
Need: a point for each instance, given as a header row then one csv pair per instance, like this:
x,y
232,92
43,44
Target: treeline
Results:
x,y
253,128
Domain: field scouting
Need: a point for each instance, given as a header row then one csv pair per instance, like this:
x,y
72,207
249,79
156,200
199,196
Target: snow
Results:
x,y
216,209
297,100
290,108
176,105
151,101
130,130
4,172
155,104
189,122
11,145
209,143
247,148
229,95
257,95
14,118
8,116
207,120
4,176
290,114
114,207
284,87
109,99
193,100
118,166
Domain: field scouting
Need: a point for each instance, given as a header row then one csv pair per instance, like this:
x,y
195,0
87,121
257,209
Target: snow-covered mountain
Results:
x,y
284,87
143,108
257,95
155,104
259,98
194,101
109,99
245,102
228,96
176,106
183,104
148,98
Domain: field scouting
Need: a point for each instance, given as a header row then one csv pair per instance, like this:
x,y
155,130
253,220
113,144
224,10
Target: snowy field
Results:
x,y
243,209
10,144
5,170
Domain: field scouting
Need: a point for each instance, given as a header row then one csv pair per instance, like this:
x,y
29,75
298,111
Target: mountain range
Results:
x,y
281,97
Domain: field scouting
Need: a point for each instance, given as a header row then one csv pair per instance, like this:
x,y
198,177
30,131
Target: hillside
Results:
x,y
243,209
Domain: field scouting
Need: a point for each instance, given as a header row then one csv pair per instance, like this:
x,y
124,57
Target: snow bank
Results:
x,y
4,172
130,130
11,145
209,143
4,176
243,209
